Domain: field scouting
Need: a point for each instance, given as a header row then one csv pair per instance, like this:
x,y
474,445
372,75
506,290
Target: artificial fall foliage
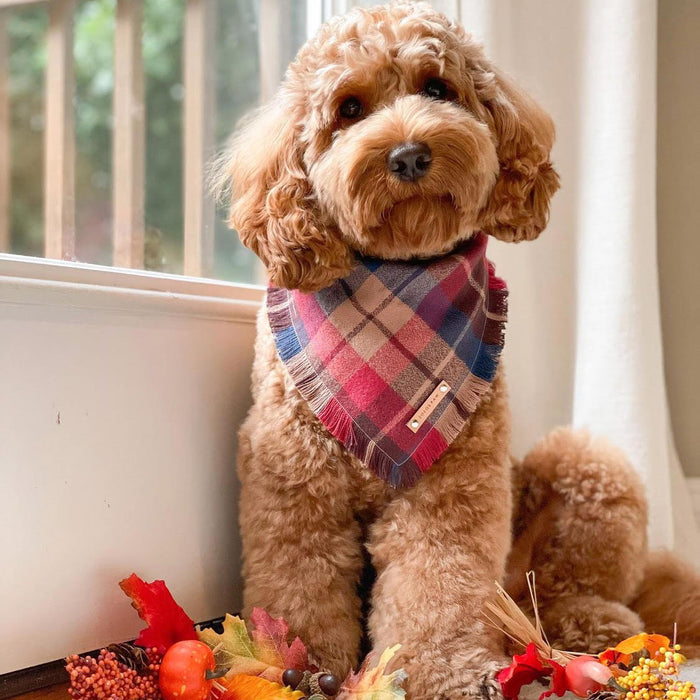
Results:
x,y
167,621
529,667
626,649
270,636
242,687
646,667
254,662
266,654
643,667
374,683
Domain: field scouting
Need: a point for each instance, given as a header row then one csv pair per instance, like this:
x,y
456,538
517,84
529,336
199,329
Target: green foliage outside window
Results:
x,y
235,60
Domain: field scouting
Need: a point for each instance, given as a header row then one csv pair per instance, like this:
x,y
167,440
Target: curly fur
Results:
x,y
310,190
670,594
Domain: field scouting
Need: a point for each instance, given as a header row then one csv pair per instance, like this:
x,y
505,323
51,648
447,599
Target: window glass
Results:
x,y
26,28
248,39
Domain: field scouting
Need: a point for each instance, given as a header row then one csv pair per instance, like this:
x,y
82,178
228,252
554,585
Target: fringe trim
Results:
x,y
463,404
497,308
280,306
341,426
429,450
447,427
467,398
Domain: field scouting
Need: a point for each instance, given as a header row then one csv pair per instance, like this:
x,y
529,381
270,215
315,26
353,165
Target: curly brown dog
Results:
x,y
312,188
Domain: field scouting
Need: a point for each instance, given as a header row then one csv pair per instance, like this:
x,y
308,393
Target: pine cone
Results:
x,y
130,655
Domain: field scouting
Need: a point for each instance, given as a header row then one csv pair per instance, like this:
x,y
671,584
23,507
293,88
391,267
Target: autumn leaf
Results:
x,y
525,669
614,658
270,636
167,621
651,642
233,648
266,654
558,683
373,683
244,687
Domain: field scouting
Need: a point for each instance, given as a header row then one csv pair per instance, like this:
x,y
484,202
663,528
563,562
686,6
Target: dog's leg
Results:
x,y
438,549
583,533
301,545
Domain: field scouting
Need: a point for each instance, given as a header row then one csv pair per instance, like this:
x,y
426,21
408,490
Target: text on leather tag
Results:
x,y
428,406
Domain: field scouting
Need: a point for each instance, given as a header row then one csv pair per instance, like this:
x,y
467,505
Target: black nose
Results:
x,y
409,161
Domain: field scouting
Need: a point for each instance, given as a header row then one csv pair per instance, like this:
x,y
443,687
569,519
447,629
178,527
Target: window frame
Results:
x,y
29,280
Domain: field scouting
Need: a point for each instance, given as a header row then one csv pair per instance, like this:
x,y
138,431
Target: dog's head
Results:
x,y
392,136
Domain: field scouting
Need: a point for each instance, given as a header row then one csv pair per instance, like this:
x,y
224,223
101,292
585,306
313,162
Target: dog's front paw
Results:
x,y
476,684
454,681
489,688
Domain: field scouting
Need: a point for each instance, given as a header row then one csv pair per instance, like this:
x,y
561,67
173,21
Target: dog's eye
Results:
x,y
351,108
436,89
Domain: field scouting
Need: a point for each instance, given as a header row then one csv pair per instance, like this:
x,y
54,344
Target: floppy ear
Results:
x,y
518,207
273,207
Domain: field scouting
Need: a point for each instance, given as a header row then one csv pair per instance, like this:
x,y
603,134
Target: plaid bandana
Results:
x,y
394,358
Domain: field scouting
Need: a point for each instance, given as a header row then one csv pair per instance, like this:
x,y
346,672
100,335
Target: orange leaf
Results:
x,y
651,642
243,687
612,657
654,642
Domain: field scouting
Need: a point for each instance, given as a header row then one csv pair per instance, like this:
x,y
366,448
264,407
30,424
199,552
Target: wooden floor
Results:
x,y
55,692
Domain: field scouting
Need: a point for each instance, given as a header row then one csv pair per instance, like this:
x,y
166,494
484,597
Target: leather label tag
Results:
x,y
428,406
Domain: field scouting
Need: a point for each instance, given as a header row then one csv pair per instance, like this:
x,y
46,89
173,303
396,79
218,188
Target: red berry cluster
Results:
x,y
107,678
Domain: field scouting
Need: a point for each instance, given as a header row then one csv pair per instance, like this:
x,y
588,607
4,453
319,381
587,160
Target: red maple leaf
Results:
x,y
271,632
167,621
525,668
558,686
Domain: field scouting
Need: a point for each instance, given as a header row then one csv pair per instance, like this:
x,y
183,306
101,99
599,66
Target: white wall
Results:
x,y
118,415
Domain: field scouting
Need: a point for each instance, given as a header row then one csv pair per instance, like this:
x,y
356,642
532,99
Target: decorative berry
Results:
x,y
654,678
107,677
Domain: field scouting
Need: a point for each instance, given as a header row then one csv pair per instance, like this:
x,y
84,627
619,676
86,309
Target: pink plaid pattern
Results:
x,y
369,350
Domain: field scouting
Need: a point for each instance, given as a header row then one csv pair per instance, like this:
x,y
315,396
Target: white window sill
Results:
x,y
33,281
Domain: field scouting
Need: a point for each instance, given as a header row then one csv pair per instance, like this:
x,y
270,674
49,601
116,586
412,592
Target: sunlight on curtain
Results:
x,y
584,344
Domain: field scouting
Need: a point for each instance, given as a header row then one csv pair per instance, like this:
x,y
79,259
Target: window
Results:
x,y
109,111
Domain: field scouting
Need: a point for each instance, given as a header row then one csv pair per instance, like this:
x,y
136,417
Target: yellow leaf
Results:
x,y
243,687
235,650
373,684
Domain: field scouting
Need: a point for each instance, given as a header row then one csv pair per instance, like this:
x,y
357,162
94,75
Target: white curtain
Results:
x,y
584,340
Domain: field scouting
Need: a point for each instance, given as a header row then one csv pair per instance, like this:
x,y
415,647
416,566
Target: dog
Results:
x,y
394,138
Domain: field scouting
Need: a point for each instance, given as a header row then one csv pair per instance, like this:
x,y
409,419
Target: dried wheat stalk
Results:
x,y
504,614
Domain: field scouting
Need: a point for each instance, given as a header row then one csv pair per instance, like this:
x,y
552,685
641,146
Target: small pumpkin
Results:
x,y
183,671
